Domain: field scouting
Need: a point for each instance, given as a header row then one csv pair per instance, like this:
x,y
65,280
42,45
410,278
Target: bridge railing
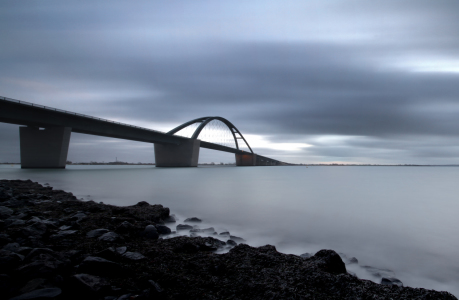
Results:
x,y
73,113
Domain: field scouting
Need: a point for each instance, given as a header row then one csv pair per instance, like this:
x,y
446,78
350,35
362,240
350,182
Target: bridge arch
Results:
x,y
237,135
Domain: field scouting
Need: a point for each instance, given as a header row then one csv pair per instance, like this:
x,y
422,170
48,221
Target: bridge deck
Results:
x,y
30,114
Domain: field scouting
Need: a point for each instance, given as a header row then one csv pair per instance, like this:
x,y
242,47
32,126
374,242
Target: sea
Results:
x,y
397,221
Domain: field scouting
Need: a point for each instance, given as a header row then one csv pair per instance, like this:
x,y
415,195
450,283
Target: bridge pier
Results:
x,y
246,159
184,155
46,148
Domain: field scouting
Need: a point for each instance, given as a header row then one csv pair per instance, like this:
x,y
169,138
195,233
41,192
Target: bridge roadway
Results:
x,y
38,116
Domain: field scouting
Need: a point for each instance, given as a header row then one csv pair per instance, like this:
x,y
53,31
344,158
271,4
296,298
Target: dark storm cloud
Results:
x,y
335,69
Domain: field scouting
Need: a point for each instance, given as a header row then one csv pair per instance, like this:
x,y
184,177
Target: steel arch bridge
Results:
x,y
45,137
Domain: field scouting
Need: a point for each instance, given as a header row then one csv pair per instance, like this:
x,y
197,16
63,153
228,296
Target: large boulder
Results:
x,y
329,261
150,232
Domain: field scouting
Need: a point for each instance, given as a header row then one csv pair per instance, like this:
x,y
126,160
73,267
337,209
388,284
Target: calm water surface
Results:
x,y
400,218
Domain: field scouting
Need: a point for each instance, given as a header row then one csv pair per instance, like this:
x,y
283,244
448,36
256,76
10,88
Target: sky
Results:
x,y
304,81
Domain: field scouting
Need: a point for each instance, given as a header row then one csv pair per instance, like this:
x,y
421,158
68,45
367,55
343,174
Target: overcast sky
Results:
x,y
304,81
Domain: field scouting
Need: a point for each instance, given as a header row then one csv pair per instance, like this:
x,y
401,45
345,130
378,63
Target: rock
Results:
x,y
125,227
142,204
32,285
237,239
225,233
46,268
391,281
231,243
109,253
5,212
99,266
78,216
162,229
13,247
170,219
36,229
183,227
96,232
37,252
63,234
48,293
306,255
89,284
329,261
109,237
134,256
353,260
9,260
379,272
193,220
150,232
121,250
155,287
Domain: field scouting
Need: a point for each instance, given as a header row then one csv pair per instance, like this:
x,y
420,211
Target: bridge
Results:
x,y
45,136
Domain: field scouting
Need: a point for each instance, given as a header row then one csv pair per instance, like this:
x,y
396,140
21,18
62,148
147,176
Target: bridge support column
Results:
x,y
184,155
46,148
246,159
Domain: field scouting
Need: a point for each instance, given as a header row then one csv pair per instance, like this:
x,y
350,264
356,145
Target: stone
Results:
x,y
37,252
135,256
63,234
4,239
353,260
109,253
96,232
155,287
193,220
125,227
5,212
121,250
150,232
391,281
89,283
109,237
170,219
226,233
231,243
184,227
36,229
237,239
48,293
329,261
162,229
32,285
9,260
45,268
13,247
99,266
78,216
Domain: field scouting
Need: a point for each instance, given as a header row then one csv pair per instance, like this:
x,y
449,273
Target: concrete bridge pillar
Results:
x,y
184,155
246,159
46,148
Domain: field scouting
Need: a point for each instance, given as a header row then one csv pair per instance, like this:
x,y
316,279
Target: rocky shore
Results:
x,y
54,246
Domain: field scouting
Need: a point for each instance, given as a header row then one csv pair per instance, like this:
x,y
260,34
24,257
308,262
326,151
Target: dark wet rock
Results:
x,y
109,237
108,253
224,233
35,229
231,243
155,287
377,272
329,261
237,239
193,220
37,253
391,281
9,260
48,293
162,229
32,285
99,266
89,284
14,222
78,216
183,227
45,268
306,255
125,227
133,256
63,234
121,250
5,212
353,260
150,232
170,219
96,232
13,247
